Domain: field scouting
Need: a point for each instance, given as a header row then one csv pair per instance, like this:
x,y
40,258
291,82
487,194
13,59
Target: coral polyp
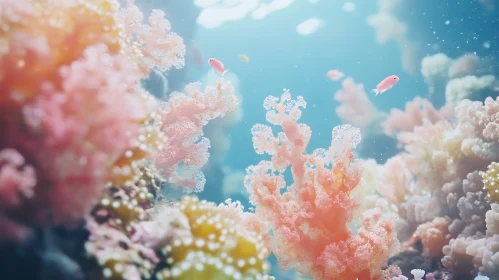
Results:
x,y
491,181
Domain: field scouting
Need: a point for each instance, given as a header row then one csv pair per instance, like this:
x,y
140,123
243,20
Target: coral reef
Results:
x,y
85,152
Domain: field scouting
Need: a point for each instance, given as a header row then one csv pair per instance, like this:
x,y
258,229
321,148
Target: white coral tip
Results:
x,y
418,274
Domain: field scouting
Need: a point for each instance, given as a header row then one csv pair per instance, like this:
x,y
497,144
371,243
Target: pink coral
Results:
x,y
120,257
431,155
483,118
416,111
443,158
397,182
437,153
434,236
70,97
167,224
86,126
17,180
355,107
182,119
249,221
392,272
304,235
159,47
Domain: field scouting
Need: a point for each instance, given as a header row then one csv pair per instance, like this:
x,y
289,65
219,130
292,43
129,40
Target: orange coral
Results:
x,y
309,220
434,235
59,32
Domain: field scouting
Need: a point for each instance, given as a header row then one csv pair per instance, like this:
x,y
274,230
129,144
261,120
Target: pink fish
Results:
x,y
386,84
334,75
217,66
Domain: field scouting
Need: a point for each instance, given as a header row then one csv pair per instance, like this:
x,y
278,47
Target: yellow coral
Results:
x,y
491,181
219,247
126,169
126,204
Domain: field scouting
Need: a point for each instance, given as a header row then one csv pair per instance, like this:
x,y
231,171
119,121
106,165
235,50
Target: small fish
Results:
x,y
244,57
335,75
386,84
217,66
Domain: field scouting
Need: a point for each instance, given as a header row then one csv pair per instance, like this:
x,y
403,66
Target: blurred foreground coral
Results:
x,y
83,141
74,114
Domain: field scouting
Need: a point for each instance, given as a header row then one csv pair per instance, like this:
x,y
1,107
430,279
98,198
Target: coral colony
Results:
x,y
84,146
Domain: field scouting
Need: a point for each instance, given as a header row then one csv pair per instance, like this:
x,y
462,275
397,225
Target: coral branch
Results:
x,y
309,219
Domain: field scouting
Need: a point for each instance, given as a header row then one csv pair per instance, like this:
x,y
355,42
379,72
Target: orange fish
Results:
x,y
334,75
386,84
244,57
217,66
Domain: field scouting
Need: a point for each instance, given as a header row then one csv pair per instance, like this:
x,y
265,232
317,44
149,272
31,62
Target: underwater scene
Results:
x,y
249,139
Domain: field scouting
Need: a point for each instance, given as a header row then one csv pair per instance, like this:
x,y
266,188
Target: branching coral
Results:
x,y
183,117
304,234
154,45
